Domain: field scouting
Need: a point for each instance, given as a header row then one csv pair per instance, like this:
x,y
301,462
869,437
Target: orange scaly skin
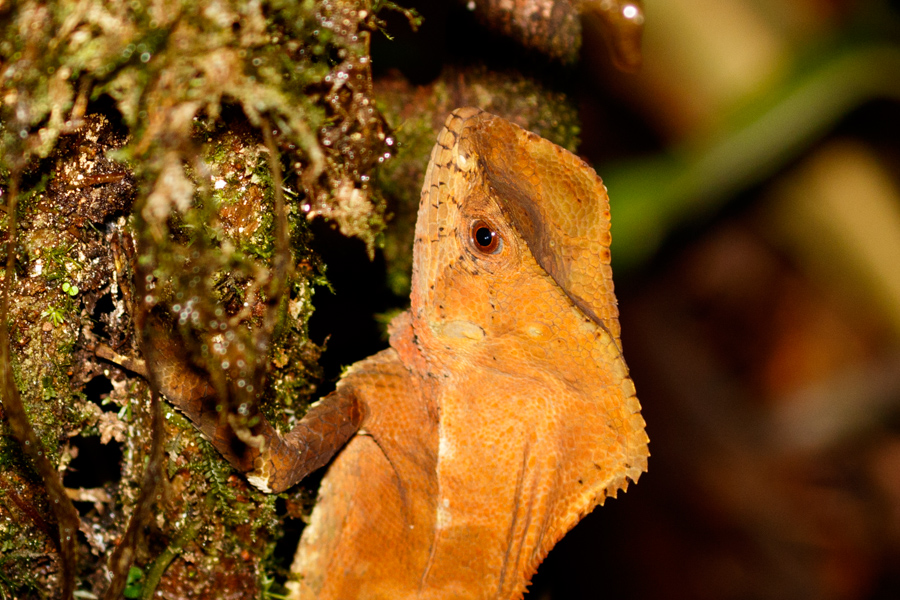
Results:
x,y
503,412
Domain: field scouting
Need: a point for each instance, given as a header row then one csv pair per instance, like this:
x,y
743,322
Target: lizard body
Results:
x,y
502,412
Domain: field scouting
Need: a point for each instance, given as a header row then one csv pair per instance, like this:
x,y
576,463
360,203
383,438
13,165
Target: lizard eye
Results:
x,y
486,238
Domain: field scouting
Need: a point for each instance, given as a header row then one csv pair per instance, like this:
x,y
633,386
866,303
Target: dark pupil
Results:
x,y
484,236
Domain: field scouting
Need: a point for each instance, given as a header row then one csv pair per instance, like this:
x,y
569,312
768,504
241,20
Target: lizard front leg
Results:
x,y
271,461
322,431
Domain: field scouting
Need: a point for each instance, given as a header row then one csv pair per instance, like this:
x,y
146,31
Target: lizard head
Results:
x,y
497,202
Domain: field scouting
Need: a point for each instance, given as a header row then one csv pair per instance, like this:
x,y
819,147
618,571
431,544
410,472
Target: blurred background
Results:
x,y
752,165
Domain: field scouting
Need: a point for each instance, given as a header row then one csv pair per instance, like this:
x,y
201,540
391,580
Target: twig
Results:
x,y
123,556
162,562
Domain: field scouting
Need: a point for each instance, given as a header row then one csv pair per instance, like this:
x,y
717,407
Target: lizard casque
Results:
x,y
501,413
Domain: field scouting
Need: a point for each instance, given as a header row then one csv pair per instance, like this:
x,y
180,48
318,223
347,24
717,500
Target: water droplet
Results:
x,y
622,25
